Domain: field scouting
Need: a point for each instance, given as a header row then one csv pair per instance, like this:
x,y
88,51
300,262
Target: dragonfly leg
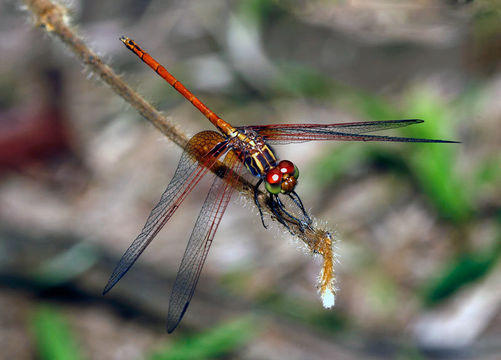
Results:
x,y
274,206
284,210
297,200
256,192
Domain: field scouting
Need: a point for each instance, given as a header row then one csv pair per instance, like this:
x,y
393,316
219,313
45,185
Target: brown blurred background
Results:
x,y
419,225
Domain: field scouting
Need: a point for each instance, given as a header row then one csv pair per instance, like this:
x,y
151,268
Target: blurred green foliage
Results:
x,y
66,266
433,164
279,303
487,19
210,344
466,268
53,338
337,163
304,312
300,80
255,11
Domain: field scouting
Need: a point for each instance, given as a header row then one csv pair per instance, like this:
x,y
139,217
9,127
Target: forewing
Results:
x,y
296,133
201,240
187,175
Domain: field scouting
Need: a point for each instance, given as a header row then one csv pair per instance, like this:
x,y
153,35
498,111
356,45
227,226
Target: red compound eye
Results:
x,y
286,167
274,176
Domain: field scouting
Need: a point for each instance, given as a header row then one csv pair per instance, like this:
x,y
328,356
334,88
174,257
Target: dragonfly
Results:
x,y
226,154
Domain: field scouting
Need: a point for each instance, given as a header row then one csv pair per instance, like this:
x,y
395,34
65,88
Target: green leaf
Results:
x,y
53,337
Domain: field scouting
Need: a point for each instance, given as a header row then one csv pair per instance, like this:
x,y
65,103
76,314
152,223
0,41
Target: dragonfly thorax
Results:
x,y
253,151
282,178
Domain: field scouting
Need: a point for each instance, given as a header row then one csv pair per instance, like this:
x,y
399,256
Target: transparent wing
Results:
x,y
201,240
296,133
188,173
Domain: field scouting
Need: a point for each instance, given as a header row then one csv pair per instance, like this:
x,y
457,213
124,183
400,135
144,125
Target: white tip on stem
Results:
x,y
328,298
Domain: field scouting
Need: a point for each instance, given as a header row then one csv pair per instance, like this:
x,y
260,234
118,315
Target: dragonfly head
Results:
x,y
282,178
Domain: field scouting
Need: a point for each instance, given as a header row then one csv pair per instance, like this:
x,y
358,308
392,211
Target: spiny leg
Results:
x,y
272,202
299,203
282,208
256,200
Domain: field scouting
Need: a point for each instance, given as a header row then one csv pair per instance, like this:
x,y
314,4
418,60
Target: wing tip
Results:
x,y
113,280
109,286
406,122
419,121
412,121
442,141
173,324
170,329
